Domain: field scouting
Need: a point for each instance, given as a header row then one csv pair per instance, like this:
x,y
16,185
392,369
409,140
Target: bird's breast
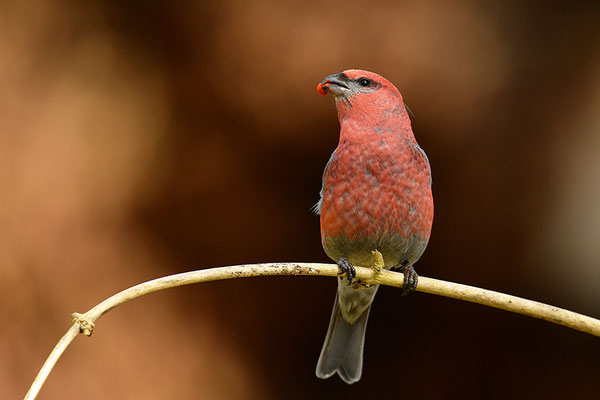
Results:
x,y
376,193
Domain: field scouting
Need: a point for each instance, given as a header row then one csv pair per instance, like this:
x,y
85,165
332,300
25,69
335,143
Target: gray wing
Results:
x,y
317,207
426,159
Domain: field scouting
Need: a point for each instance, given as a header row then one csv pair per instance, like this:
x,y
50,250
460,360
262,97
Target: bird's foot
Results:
x,y
410,278
346,268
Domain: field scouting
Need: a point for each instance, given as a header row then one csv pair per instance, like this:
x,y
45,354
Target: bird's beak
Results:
x,y
336,84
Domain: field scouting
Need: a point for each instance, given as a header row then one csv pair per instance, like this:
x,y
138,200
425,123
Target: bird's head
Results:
x,y
357,91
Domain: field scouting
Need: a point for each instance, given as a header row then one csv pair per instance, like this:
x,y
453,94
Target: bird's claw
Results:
x,y
410,278
346,268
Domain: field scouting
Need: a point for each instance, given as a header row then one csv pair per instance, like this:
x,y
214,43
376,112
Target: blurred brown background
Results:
x,y
149,138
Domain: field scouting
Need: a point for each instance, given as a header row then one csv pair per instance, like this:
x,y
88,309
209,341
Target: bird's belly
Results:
x,y
389,214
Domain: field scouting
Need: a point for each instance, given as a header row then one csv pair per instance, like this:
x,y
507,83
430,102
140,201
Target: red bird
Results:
x,y
376,195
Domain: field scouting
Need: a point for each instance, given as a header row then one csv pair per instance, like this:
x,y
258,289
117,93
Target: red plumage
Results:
x,y
376,195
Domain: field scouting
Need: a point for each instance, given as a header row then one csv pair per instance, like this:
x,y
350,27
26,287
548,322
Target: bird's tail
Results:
x,y
343,348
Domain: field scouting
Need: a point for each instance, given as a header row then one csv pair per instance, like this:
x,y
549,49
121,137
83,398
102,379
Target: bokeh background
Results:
x,y
141,139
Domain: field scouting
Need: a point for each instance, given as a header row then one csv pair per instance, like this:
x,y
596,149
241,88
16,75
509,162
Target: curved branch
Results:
x,y
84,323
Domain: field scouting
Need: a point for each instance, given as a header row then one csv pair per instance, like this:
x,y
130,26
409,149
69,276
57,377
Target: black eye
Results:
x,y
364,82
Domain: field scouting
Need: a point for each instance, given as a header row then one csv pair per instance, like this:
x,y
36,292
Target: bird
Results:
x,y
376,196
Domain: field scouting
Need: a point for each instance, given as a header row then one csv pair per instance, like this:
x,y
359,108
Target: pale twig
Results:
x,y
84,323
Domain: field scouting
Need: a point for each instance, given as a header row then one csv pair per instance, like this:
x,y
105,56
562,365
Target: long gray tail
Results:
x,y
343,348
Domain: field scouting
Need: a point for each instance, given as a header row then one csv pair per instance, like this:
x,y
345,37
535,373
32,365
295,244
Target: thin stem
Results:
x,y
84,323
57,351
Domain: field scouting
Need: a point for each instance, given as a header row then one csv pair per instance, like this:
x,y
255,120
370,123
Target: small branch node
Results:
x,y
377,260
85,325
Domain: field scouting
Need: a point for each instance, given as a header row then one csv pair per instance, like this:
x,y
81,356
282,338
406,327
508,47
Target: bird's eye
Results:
x,y
364,82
